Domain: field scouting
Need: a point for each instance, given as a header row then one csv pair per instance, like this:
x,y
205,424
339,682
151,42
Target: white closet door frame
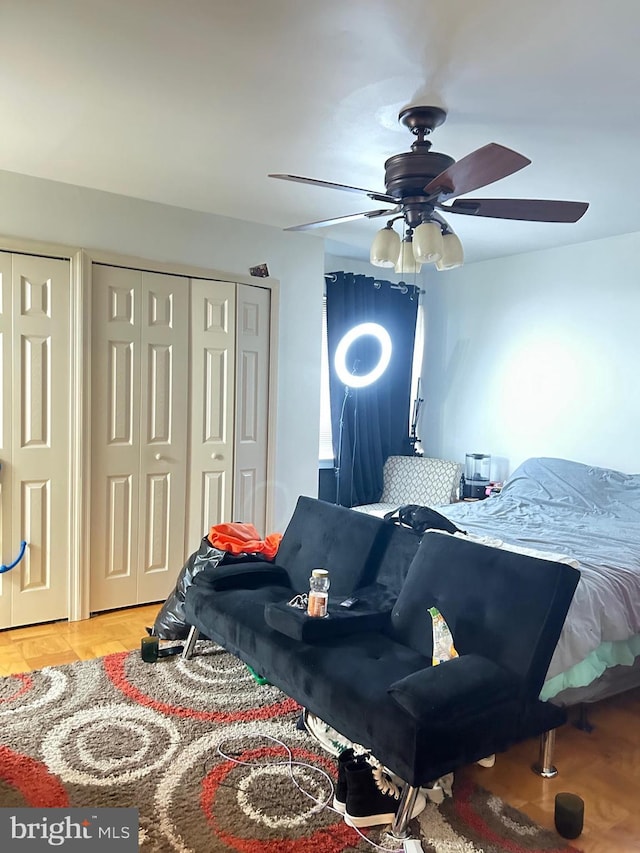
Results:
x,y
80,451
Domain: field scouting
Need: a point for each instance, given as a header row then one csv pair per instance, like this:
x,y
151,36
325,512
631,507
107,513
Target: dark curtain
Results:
x,y
369,424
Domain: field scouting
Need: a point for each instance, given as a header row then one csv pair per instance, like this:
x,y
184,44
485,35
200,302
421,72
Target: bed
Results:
x,y
580,513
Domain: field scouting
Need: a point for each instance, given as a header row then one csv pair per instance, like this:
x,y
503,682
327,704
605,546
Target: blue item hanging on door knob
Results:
x,y
7,568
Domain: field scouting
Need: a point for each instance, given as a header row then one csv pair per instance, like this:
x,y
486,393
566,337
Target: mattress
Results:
x,y
587,514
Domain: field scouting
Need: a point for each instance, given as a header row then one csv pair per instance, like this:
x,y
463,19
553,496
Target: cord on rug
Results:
x,y
290,763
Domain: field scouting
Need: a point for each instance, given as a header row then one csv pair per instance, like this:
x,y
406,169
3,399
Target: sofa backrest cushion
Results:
x,y
420,480
394,550
321,535
508,607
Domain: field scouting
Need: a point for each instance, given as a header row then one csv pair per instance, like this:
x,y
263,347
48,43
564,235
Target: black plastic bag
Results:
x,y
170,622
420,519
225,570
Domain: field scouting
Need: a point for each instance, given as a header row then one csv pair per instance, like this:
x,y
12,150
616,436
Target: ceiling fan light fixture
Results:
x,y
452,252
427,243
385,248
407,264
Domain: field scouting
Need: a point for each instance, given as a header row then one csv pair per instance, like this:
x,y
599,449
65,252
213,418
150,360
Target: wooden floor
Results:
x,y
603,767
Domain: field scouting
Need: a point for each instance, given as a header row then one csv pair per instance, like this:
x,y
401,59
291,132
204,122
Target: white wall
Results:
x,y
536,355
61,213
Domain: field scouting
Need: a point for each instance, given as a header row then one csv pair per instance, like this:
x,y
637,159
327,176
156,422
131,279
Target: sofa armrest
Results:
x,y
242,574
456,689
339,622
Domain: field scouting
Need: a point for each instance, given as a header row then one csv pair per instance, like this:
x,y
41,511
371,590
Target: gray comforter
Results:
x,y
590,514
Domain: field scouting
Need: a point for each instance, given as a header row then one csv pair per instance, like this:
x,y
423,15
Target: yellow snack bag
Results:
x,y
443,648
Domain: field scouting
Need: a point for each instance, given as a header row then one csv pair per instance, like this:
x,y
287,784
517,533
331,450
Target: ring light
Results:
x,y
375,330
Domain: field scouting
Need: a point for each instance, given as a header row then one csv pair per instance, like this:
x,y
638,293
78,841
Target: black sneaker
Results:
x,y
372,797
347,756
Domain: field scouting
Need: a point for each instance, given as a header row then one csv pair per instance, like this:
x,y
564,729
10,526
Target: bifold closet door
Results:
x,y
213,333
35,442
138,434
252,406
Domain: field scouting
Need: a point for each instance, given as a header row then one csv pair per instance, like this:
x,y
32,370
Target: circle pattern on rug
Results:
x,y
222,692
54,691
121,732
110,744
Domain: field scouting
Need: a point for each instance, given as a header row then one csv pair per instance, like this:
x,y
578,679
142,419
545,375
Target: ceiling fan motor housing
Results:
x,y
408,173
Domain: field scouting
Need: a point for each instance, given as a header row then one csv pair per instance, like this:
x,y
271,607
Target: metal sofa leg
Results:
x,y
544,765
192,639
403,815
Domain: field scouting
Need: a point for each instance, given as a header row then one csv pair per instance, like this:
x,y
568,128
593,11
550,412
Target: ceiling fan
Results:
x,y
420,183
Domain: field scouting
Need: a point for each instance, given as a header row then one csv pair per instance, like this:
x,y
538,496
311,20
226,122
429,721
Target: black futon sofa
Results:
x,y
367,671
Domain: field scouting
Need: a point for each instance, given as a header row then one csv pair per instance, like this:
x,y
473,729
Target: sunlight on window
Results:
x,y
325,453
416,370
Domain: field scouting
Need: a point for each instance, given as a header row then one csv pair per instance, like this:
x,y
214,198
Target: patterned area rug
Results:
x,y
120,732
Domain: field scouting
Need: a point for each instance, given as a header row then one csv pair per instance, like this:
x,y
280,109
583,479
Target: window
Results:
x,y
326,444
325,453
416,371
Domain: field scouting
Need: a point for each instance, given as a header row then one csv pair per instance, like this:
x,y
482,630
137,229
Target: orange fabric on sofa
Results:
x,y
241,538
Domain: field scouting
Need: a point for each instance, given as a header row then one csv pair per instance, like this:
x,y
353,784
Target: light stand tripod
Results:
x,y
338,468
417,404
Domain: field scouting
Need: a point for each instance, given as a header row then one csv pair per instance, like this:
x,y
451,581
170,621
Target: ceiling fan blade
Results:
x,y
369,193
481,167
529,209
369,214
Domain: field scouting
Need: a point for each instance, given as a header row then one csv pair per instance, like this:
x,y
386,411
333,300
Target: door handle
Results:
x,y
158,457
7,568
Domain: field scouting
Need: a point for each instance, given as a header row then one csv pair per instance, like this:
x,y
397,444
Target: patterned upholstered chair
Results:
x,y
416,480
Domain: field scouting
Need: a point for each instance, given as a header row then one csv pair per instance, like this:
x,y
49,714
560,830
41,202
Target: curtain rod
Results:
x,y
402,286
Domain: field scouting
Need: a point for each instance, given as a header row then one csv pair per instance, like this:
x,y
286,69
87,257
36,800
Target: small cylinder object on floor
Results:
x,y
569,815
149,648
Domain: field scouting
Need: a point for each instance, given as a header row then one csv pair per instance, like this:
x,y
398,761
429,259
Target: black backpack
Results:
x,y
421,518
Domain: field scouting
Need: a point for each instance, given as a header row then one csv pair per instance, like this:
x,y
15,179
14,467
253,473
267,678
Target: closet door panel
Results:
x,y
213,494
164,416
252,401
6,545
140,345
213,332
115,436
41,442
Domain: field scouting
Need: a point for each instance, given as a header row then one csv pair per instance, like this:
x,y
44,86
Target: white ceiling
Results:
x,y
193,102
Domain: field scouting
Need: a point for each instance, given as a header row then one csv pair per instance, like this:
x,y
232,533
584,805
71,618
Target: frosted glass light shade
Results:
x,y
407,264
453,253
385,248
427,243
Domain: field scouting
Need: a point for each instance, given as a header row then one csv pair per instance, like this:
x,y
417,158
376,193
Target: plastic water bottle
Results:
x,y
318,593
